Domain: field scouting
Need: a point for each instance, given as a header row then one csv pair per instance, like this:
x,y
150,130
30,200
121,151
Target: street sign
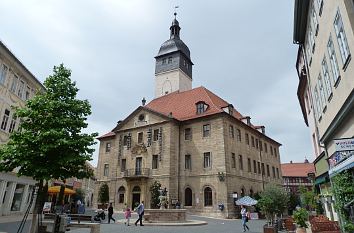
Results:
x,y
344,144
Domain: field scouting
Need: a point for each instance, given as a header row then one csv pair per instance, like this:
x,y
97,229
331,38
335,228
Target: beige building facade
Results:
x,y
193,142
17,84
324,32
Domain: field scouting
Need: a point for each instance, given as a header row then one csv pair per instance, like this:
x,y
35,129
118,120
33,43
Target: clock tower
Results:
x,y
173,70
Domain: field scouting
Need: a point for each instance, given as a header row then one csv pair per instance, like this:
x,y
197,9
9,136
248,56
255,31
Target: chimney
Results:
x,y
247,120
143,101
170,115
120,121
291,161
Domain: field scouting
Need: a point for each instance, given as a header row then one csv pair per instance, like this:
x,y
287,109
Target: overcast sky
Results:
x,y
241,50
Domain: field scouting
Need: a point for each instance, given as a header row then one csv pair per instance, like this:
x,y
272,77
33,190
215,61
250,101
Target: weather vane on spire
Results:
x,y
176,11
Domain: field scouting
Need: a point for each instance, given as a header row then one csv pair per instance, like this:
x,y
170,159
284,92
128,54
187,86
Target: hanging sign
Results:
x,y
344,144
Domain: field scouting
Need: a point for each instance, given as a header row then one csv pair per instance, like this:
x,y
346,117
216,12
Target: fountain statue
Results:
x,y
163,199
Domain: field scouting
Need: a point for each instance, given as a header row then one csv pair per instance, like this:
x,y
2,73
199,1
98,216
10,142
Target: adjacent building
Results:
x,y
296,175
324,32
193,142
17,84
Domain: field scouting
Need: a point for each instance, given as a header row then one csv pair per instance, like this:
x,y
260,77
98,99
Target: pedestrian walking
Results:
x,y
140,211
110,213
244,218
127,215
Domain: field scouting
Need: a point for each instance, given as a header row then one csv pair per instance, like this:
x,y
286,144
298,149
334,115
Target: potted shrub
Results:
x,y
300,217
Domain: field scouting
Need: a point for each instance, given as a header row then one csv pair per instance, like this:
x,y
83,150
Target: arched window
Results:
x,y
121,192
242,192
188,197
251,192
208,197
136,189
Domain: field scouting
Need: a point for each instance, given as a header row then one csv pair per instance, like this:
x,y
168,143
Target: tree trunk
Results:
x,y
38,207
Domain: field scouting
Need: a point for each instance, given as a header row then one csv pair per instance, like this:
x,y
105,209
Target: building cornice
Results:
x,y
300,20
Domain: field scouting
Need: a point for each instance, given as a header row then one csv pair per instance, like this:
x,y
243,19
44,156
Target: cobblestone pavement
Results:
x,y
214,226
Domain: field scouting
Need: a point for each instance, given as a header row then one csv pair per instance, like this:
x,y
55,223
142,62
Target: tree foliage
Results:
x,y
80,194
50,143
273,201
154,190
308,198
343,190
103,194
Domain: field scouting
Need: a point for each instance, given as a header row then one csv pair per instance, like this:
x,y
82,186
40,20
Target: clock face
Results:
x,y
141,117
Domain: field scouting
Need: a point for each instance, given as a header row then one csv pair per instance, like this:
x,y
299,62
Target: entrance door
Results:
x,y
136,200
138,164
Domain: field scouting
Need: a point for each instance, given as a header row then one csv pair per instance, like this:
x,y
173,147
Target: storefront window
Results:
x,y
16,201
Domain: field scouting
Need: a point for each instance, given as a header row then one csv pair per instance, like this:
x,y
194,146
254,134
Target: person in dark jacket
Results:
x,y
110,213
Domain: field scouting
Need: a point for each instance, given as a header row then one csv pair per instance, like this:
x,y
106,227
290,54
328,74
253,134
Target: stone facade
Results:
x,y
17,85
223,175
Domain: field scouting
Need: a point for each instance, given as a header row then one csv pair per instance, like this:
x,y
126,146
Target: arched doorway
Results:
x,y
188,197
135,196
121,193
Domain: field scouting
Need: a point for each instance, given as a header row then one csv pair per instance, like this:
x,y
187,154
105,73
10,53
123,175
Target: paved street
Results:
x,y
214,225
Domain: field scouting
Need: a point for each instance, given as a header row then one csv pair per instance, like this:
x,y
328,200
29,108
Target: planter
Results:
x,y
300,230
269,229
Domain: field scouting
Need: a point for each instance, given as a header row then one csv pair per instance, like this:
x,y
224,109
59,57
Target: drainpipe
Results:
x,y
178,162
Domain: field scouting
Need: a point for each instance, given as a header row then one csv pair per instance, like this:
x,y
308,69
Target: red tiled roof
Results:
x,y
182,105
297,169
109,134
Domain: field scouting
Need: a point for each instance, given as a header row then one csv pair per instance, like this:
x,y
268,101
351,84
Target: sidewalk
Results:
x,y
13,218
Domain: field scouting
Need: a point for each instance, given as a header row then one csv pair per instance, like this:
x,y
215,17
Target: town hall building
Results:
x,y
193,142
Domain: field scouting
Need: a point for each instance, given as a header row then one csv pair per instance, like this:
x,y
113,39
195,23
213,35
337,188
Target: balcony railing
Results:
x,y
137,173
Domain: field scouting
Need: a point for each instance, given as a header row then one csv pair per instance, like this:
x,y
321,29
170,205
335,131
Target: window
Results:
x,y
206,130
271,150
275,152
252,140
123,165
164,61
155,159
233,160
169,60
265,147
254,166
140,137
238,135
273,169
188,162
240,162
323,93
5,119
341,38
207,160
14,84
188,134
249,165
3,73
188,197
121,192
333,60
27,94
320,6
326,78
268,171
314,19
201,107
256,143
231,131
277,173
156,135
108,147
106,170
260,145
263,169
247,139
312,38
125,140
20,89
318,105
12,124
208,197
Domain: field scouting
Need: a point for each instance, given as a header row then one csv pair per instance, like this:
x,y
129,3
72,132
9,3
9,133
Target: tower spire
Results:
x,y
175,28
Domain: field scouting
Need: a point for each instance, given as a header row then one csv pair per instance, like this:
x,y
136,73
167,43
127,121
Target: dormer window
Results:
x,y
201,107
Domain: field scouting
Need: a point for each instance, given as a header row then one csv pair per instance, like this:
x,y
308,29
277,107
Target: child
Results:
x,y
127,215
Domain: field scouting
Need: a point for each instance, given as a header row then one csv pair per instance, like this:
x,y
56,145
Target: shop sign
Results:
x,y
344,144
338,157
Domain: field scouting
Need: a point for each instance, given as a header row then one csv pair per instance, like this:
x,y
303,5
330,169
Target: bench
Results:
x,y
325,227
78,217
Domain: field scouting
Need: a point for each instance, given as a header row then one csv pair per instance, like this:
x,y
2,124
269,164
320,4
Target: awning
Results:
x,y
345,165
321,179
56,189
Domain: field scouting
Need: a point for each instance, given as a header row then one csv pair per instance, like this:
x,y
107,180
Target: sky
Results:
x,y
242,51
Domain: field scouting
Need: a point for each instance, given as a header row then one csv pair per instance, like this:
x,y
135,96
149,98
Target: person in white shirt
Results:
x,y
244,215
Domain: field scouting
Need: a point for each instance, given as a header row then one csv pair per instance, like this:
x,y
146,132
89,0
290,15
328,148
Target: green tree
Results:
x,y
80,194
294,201
274,200
308,198
154,190
103,194
50,143
343,190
